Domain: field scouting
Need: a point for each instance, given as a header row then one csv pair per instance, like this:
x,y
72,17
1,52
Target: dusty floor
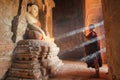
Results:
x,y
103,73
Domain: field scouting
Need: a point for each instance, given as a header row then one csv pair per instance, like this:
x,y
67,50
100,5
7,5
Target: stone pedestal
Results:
x,y
33,60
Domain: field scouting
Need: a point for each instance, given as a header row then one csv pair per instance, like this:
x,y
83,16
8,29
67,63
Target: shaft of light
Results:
x,y
83,44
78,31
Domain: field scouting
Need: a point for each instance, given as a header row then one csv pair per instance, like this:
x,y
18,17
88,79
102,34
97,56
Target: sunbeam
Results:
x,y
78,31
83,44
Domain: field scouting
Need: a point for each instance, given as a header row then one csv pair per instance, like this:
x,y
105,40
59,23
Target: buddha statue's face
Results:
x,y
34,10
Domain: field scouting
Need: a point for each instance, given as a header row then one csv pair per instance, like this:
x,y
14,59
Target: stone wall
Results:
x,y
8,10
68,16
6,46
112,28
93,12
94,15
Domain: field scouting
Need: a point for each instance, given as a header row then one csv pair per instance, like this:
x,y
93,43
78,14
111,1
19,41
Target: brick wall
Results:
x,y
8,9
93,15
93,11
6,45
68,16
6,49
112,28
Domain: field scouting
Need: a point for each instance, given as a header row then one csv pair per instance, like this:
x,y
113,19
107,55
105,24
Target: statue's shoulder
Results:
x,y
30,19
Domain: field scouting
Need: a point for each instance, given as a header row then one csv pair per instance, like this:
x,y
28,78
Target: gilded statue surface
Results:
x,y
34,30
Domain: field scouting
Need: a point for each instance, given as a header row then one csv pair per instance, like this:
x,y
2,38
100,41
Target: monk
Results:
x,y
92,48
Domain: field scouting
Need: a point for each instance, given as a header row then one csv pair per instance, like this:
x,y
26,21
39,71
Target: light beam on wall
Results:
x,y
83,44
78,31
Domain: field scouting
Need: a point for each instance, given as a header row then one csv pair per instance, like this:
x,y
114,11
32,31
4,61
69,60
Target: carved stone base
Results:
x,y
32,60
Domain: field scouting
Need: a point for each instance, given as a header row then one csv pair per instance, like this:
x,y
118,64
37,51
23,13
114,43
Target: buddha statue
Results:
x,y
33,30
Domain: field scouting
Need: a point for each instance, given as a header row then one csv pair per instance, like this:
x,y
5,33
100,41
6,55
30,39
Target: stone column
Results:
x,y
49,4
93,15
93,11
111,10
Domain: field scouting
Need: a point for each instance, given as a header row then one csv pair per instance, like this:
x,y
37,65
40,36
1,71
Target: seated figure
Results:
x,y
33,30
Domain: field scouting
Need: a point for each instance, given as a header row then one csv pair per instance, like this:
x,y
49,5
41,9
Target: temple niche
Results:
x,y
9,9
45,17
